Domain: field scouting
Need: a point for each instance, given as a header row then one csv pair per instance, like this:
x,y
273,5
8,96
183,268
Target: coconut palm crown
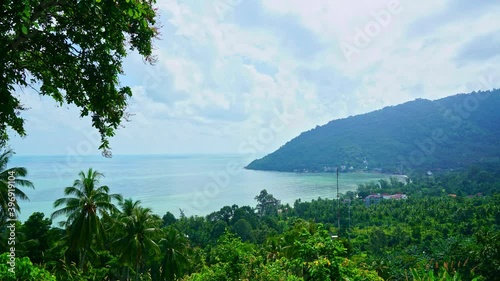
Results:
x,y
18,173
86,203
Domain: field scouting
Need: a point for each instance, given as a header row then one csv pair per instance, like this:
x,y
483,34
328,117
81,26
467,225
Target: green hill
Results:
x,y
448,133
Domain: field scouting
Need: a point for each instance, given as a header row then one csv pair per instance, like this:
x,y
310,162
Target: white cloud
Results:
x,y
220,79
186,73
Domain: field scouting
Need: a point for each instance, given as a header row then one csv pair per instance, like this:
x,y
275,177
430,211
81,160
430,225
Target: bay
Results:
x,y
196,184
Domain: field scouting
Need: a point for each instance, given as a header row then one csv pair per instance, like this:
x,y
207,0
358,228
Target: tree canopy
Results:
x,y
428,236
71,51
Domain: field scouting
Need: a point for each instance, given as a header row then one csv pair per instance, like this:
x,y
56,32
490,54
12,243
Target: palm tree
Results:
x,y
17,173
128,206
86,203
136,231
175,249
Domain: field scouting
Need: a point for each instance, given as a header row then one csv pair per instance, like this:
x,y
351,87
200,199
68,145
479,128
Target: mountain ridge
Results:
x,y
446,133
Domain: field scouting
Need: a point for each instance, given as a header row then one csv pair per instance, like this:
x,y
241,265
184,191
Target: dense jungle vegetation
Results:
x,y
447,229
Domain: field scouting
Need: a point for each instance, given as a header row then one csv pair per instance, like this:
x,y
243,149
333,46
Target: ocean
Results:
x,y
196,184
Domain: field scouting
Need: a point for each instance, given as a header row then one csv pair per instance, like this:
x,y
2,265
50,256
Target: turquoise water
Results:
x,y
197,184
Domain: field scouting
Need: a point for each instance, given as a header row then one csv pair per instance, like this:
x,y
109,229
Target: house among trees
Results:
x,y
376,198
373,199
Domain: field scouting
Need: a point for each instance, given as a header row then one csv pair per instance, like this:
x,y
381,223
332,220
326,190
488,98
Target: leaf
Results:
x,y
27,12
77,35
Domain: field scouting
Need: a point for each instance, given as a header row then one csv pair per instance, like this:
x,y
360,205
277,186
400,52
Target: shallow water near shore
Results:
x,y
197,184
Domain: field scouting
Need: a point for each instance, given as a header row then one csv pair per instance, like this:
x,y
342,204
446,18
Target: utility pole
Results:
x,y
349,229
338,205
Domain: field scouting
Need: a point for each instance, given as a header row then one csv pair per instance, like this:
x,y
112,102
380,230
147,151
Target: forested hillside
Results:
x,y
449,133
429,236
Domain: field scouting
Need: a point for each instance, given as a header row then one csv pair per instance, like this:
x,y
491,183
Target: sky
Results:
x,y
246,76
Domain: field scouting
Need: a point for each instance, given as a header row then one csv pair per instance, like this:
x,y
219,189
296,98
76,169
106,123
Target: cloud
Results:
x,y
480,48
297,39
226,67
450,12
